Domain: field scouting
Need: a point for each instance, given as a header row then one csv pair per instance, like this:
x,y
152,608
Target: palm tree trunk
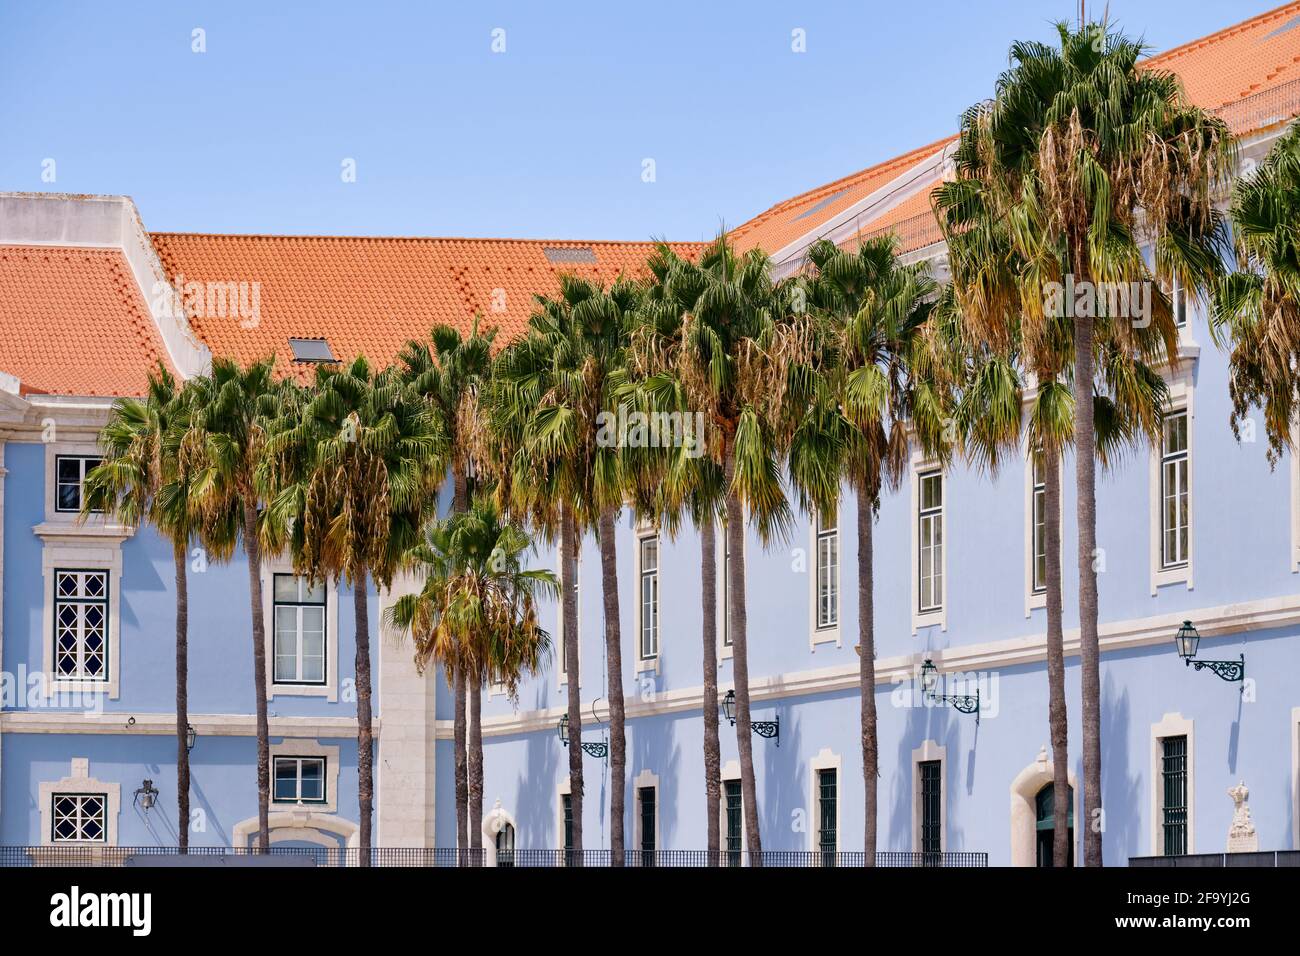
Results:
x,y
867,673
461,757
475,762
614,659
253,551
709,638
740,659
1058,726
1089,650
365,732
182,698
568,571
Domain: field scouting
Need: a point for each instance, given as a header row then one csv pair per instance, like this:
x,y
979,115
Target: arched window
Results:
x,y
1044,804
506,845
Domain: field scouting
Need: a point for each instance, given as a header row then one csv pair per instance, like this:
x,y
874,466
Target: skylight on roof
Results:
x,y
561,254
311,350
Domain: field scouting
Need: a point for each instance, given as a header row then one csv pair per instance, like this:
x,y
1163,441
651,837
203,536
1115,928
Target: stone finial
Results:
x,y
1241,833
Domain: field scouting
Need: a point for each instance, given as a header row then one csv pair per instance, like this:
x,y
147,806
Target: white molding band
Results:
x,y
1215,621
164,725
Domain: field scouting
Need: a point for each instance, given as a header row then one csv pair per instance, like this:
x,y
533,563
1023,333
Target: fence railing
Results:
x,y
86,855
1268,858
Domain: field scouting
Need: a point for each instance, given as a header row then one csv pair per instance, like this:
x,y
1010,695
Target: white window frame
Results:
x,y
83,458
922,468
67,449
299,760
645,535
1037,599
930,750
828,633
562,790
730,774
1180,402
325,630
80,579
299,748
70,548
826,759
561,672
724,648
1171,725
79,782
283,564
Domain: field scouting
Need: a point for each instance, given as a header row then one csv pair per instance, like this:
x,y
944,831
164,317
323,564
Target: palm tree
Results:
x,y
223,449
575,353
478,603
450,371
877,381
683,483
1257,307
142,478
742,355
353,479
1085,156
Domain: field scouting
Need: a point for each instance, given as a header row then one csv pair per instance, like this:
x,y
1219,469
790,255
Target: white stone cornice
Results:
x,y
161,725
1217,621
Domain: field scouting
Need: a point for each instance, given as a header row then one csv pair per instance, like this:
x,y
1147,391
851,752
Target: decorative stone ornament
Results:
x,y
1241,834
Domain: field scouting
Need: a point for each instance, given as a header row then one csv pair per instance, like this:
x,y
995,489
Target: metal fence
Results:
x,y
1269,858
84,855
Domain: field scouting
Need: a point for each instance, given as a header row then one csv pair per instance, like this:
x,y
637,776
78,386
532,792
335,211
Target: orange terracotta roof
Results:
x,y
73,322
787,221
1248,73
367,295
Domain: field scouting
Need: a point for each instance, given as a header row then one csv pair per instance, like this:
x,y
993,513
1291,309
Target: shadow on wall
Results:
x,y
786,783
653,746
1121,781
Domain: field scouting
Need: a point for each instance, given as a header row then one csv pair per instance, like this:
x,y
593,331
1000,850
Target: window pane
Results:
x,y
286,588
286,779
313,780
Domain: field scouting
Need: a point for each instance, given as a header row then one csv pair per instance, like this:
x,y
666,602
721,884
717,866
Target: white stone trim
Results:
x,y
923,466
1172,725
720,566
645,779
300,747
283,564
642,534
493,821
244,833
1293,466
68,547
72,449
562,790
1038,600
1295,778
730,771
1024,811
79,780
1214,621
1181,394
164,725
561,677
831,633
826,759
929,750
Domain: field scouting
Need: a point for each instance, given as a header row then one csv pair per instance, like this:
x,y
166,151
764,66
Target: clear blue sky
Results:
x,y
545,139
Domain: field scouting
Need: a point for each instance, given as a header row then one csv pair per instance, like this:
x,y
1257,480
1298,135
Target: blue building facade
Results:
x,y
1199,527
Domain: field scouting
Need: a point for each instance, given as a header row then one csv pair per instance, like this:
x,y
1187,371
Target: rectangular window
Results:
x,y
649,598
723,590
931,772
735,820
70,475
1174,511
81,625
299,616
930,536
1040,525
568,822
828,815
828,573
646,804
299,780
1179,302
80,818
1174,805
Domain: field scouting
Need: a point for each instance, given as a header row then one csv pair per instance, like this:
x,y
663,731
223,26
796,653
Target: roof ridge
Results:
x,y
439,239
1233,29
